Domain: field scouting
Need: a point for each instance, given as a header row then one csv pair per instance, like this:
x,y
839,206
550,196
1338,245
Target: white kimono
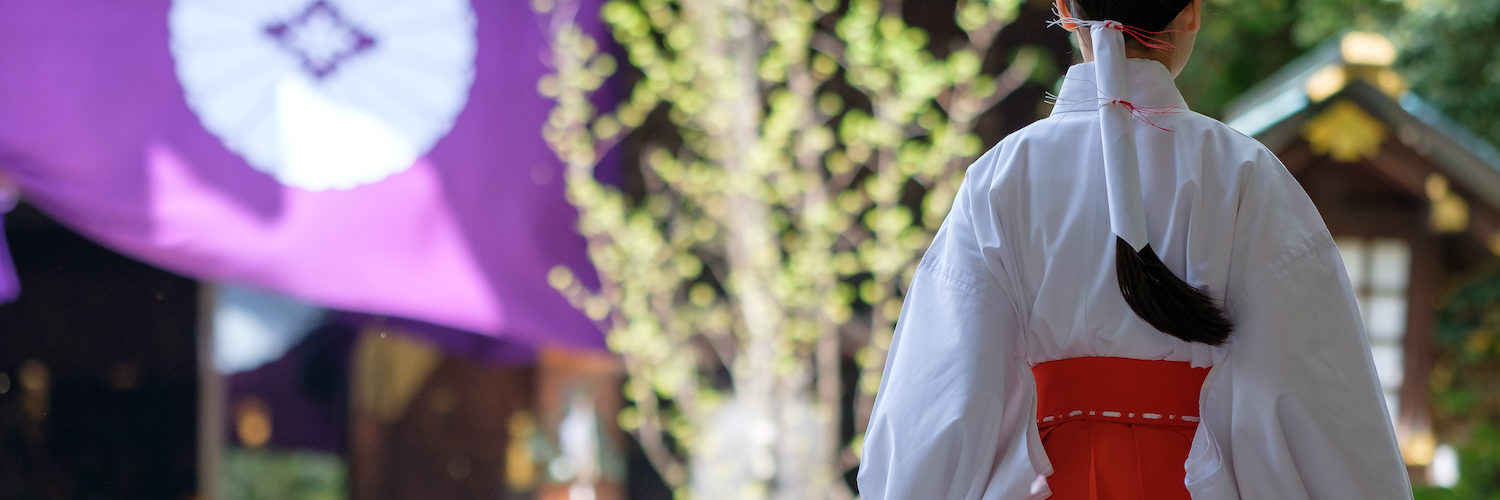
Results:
x,y
1022,272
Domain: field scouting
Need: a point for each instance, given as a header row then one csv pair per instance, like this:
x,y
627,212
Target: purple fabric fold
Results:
x,y
135,123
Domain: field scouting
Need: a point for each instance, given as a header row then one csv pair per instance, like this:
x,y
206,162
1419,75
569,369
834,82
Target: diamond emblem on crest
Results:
x,y
321,38
325,94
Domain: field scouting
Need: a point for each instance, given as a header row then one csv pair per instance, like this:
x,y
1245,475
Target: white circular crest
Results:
x,y
325,94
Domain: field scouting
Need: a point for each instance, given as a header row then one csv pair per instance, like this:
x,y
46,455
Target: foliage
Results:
x,y
1242,43
1465,384
259,474
1447,49
794,158
1448,55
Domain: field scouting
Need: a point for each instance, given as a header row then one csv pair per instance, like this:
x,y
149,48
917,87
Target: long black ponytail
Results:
x,y
1165,301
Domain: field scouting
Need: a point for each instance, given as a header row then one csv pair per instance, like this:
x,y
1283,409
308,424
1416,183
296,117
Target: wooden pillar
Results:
x,y
211,401
1414,423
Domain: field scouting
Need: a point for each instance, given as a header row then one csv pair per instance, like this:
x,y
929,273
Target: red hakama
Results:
x,y
1117,428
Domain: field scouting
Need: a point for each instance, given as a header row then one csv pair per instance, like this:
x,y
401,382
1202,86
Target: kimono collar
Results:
x,y
1151,85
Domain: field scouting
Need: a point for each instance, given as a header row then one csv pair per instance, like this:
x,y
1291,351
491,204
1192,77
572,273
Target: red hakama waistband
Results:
x,y
1117,428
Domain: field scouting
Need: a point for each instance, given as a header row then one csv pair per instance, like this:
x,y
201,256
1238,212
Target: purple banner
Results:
x,y
381,157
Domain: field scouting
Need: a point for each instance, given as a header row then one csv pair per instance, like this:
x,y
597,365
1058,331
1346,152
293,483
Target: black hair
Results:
x,y
1155,294
1149,15
1165,301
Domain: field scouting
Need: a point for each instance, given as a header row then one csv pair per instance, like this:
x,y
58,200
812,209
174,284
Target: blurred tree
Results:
x,y
795,158
1242,43
1448,55
1466,385
1446,49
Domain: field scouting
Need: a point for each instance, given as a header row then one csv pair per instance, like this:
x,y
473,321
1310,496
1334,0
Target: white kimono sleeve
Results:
x,y
1294,407
952,417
